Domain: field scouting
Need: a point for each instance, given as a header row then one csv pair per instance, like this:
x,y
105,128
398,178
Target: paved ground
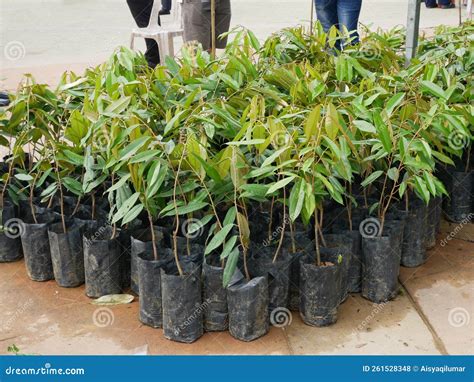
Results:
x,y
431,316
48,37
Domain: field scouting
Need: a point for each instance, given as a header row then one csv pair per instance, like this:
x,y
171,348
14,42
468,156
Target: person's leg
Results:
x,y
223,18
141,12
197,22
445,4
326,12
348,12
165,7
431,4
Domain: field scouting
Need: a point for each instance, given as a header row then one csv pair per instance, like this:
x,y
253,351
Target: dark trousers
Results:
x,y
166,5
141,12
432,3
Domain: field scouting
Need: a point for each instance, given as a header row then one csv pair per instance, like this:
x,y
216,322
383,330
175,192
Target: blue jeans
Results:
x,y
432,3
339,13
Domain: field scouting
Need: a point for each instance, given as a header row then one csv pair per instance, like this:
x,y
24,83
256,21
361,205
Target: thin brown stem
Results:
x,y
316,238
282,234
175,233
153,237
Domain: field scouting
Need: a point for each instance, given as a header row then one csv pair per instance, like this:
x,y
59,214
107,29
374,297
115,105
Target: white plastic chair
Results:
x,y
164,35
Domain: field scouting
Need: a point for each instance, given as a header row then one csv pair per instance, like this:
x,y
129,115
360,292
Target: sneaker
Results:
x,y
164,12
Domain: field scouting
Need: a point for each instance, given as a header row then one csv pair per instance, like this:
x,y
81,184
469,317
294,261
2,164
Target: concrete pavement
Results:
x,y
431,315
48,37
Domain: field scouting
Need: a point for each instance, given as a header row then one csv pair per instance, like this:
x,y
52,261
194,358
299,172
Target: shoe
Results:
x,y
432,6
4,99
164,12
449,6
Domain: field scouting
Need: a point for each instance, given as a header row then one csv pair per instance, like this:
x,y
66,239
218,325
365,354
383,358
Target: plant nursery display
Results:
x,y
279,176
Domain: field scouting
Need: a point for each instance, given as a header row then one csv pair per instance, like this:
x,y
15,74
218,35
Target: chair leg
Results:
x,y
161,49
132,41
171,45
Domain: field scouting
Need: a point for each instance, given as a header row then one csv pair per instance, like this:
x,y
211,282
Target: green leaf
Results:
x,y
243,225
183,210
393,103
393,173
74,158
73,185
210,171
230,266
144,156
52,188
254,190
132,214
433,89
24,177
274,156
430,183
402,189
230,216
443,158
126,207
371,178
420,187
365,126
120,183
297,199
126,153
250,142
311,125
281,183
331,123
334,148
44,177
117,106
218,239
228,246
383,133
427,148
156,177
196,226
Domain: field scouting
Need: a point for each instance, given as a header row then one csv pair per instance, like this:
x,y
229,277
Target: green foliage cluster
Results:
x,y
290,122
